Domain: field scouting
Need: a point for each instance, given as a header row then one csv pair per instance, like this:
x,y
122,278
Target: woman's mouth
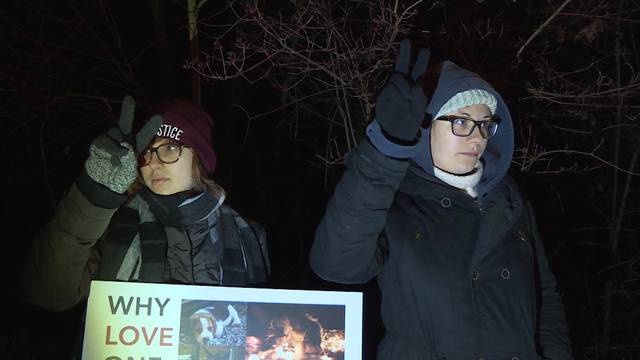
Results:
x,y
159,180
469,154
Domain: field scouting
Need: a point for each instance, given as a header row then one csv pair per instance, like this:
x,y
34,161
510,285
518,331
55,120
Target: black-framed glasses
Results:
x,y
167,153
463,125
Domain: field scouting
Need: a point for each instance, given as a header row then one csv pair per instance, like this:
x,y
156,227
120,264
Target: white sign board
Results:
x,y
139,321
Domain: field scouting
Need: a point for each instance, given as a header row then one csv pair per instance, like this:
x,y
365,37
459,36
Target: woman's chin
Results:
x,y
161,189
460,170
161,192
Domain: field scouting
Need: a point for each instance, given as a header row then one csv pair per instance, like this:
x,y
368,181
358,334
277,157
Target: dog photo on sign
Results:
x,y
212,330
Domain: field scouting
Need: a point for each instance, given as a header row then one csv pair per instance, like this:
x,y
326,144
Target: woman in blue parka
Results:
x,y
431,212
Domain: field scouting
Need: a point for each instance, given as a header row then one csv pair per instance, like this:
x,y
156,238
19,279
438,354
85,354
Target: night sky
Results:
x,y
569,70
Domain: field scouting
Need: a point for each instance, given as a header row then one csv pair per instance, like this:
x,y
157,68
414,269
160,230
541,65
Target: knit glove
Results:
x,y
112,159
401,104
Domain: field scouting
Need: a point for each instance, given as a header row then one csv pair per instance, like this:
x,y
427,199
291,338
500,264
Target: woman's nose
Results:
x,y
155,160
475,135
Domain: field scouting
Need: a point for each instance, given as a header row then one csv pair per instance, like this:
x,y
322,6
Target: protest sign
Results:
x,y
141,321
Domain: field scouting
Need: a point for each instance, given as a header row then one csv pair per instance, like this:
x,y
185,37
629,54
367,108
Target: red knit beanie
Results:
x,y
189,124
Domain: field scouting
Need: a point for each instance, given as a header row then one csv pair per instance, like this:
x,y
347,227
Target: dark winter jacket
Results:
x,y
201,242
461,278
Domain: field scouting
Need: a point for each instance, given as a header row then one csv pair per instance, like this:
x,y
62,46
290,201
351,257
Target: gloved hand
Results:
x,y
112,160
401,104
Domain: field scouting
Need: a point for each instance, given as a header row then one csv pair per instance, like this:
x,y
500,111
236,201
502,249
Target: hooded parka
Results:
x,y
461,277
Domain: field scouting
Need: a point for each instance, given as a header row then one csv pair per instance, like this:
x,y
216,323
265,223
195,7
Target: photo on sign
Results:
x,y
295,331
127,320
212,330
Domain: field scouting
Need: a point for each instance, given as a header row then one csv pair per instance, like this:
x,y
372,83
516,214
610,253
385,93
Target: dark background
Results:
x,y
67,64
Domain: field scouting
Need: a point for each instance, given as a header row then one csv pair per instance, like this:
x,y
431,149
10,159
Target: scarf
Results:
x,y
135,244
182,208
464,182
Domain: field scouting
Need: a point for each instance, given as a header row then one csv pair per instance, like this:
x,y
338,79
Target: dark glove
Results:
x,y
112,160
401,104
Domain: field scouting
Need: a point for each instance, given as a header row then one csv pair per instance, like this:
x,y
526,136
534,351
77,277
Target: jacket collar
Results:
x,y
419,183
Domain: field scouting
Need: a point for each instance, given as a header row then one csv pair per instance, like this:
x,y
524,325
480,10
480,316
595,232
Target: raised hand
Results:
x,y
112,160
401,104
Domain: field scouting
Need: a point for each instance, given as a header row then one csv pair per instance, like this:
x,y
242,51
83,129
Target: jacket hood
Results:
x,y
499,152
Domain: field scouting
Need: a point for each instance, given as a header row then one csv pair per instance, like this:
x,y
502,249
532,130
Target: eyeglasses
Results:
x,y
463,126
167,153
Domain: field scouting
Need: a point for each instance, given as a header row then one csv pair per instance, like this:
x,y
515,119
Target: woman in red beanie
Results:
x,y
145,209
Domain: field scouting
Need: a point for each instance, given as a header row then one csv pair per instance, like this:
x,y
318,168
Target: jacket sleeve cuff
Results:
x,y
98,194
387,147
